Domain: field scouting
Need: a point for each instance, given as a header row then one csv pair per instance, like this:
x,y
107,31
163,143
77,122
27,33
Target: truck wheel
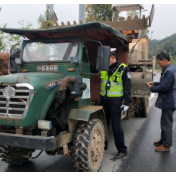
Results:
x,y
143,107
89,146
14,156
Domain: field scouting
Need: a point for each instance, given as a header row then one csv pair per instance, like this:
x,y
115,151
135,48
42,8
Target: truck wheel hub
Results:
x,y
95,147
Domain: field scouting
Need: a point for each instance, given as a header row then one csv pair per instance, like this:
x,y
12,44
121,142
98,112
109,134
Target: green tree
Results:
x,y
8,40
132,14
23,26
2,45
165,45
44,18
173,59
99,11
11,39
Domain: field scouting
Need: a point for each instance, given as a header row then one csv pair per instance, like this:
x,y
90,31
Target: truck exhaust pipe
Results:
x,y
65,81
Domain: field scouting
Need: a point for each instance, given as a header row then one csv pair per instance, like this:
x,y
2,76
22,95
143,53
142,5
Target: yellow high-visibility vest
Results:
x,y
116,83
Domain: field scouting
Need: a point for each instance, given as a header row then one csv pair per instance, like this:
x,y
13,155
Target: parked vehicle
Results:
x,y
50,101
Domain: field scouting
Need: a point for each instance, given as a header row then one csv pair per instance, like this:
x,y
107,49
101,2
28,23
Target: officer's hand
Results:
x,y
124,107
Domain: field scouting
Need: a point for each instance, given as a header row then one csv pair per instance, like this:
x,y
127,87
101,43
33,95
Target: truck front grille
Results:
x,y
16,106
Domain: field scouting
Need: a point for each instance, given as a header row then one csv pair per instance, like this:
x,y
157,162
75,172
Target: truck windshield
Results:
x,y
43,52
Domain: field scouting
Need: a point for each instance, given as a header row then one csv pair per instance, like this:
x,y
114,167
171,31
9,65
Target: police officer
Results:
x,y
116,96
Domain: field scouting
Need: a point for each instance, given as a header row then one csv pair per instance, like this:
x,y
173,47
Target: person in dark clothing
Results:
x,y
115,96
166,100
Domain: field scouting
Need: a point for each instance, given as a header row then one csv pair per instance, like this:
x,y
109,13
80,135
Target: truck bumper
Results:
x,y
35,142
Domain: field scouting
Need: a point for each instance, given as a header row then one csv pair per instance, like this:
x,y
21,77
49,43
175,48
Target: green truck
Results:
x,y
50,101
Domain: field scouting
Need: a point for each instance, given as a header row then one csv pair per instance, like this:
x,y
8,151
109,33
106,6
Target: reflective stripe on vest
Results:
x,y
112,93
116,83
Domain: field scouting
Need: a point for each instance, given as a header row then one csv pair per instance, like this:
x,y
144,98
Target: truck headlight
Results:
x,y
9,92
44,124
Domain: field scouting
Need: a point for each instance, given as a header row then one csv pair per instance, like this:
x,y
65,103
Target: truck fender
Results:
x,y
85,114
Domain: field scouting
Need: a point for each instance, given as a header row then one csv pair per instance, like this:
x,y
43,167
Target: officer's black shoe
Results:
x,y
120,155
106,145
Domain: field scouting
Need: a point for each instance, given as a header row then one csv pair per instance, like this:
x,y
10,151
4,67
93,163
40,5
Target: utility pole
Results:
x,y
51,7
113,15
82,13
140,15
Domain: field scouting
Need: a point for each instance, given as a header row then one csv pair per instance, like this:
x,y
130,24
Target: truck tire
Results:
x,y
142,108
88,147
14,156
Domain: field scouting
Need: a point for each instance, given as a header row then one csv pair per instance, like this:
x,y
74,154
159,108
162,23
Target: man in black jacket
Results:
x,y
166,101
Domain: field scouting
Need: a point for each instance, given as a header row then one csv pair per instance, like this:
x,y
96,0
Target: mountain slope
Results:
x,y
167,44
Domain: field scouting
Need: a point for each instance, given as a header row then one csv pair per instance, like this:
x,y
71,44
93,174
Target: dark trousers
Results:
x,y
113,114
166,127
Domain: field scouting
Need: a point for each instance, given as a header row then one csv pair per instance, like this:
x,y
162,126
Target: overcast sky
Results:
x,y
163,24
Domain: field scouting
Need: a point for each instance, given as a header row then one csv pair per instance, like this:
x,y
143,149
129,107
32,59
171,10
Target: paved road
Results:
x,y
140,133
141,155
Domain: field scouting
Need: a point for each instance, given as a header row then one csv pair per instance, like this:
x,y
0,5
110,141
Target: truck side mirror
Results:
x,y
103,57
14,60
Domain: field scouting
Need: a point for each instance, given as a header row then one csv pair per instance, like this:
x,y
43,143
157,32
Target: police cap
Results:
x,y
112,53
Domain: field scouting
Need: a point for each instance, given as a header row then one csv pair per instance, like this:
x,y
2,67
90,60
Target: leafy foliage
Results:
x,y
23,26
14,39
8,40
2,37
165,45
44,18
2,44
132,14
99,11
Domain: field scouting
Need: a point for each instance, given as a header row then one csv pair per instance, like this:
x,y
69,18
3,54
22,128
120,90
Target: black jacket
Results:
x,y
166,88
126,85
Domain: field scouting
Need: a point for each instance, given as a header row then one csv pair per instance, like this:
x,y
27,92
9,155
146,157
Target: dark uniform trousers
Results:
x,y
166,127
113,114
